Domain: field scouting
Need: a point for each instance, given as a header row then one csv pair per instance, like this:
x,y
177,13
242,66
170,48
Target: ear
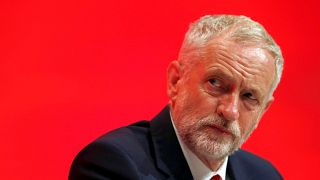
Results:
x,y
173,77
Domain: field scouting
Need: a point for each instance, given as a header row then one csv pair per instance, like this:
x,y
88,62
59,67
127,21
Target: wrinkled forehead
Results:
x,y
249,51
249,63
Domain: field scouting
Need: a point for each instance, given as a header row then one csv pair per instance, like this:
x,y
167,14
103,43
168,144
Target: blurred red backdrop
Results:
x,y
72,70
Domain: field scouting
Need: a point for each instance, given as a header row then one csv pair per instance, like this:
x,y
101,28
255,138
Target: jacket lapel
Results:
x,y
168,153
235,169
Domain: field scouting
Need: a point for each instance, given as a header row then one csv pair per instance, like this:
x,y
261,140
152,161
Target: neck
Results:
x,y
211,163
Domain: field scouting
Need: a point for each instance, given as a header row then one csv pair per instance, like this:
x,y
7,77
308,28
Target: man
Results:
x,y
219,88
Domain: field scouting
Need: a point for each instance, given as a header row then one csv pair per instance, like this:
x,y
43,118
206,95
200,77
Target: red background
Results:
x,y
72,70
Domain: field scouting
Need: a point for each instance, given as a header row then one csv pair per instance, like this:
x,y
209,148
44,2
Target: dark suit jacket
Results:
x,y
150,150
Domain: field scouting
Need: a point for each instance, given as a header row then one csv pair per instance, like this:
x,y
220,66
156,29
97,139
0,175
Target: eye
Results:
x,y
249,96
216,86
215,83
250,100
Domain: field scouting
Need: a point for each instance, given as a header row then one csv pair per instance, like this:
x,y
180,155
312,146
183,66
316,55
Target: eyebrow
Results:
x,y
217,72
256,90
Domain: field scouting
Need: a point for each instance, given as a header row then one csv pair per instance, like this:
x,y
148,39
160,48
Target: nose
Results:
x,y
228,107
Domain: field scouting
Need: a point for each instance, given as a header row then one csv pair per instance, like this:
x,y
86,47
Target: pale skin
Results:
x,y
230,81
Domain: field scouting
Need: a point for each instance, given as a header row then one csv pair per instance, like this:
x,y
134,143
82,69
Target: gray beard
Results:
x,y
209,145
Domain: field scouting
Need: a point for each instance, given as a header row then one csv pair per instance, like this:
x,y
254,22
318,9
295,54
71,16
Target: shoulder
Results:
x,y
136,133
251,166
133,140
124,148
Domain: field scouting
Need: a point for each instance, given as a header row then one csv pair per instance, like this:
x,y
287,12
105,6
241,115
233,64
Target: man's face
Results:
x,y
218,102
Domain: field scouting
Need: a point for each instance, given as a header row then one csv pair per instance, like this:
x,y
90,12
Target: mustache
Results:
x,y
229,126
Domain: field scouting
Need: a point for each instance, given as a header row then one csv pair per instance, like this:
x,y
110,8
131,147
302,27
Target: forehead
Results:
x,y
246,65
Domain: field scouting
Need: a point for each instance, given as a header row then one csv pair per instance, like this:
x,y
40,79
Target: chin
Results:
x,y
213,149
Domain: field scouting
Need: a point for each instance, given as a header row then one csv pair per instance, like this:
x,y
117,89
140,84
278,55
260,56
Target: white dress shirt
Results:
x,y
198,169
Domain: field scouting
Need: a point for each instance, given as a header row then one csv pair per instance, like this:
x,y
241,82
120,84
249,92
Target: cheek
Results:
x,y
208,104
248,122
193,101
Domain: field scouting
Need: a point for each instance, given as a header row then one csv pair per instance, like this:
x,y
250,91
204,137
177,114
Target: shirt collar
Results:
x,y
198,169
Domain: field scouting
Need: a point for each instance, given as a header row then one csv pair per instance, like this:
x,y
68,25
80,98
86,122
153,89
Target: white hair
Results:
x,y
240,29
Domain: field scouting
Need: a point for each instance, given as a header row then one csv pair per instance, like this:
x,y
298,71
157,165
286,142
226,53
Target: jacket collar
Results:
x,y
168,153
